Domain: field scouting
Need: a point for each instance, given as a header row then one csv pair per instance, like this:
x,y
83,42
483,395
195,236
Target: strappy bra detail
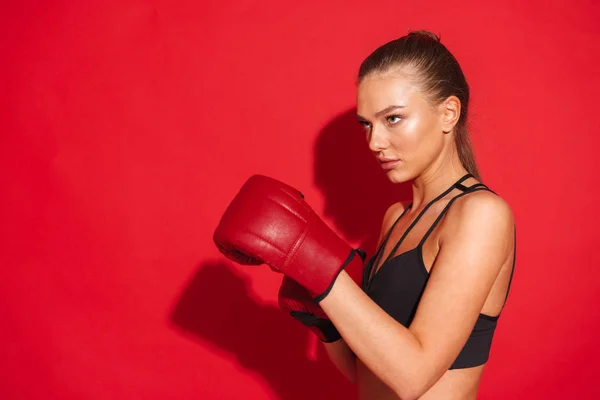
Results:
x,y
397,285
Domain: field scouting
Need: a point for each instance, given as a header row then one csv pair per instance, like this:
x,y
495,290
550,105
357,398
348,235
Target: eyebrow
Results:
x,y
379,113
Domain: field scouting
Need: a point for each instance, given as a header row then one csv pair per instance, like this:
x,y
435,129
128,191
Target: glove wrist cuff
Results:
x,y
322,327
351,258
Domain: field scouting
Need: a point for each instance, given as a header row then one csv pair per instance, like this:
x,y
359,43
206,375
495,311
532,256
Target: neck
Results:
x,y
436,179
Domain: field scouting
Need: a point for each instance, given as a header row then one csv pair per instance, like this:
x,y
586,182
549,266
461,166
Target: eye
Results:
x,y
366,125
393,119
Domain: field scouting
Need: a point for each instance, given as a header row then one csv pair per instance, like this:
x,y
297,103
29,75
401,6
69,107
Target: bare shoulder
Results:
x,y
480,212
391,215
482,203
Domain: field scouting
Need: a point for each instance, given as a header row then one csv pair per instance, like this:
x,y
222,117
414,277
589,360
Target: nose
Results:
x,y
377,139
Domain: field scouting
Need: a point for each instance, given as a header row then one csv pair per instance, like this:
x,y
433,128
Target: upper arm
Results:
x,y
474,245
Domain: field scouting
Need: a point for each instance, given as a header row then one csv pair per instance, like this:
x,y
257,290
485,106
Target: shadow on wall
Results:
x,y
356,190
262,337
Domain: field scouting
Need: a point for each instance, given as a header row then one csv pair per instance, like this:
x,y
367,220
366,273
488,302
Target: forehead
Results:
x,y
378,91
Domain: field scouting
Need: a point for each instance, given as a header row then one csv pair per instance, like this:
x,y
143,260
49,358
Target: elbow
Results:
x,y
416,377
405,393
413,387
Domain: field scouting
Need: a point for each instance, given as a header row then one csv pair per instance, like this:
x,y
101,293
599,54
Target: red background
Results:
x,y
128,126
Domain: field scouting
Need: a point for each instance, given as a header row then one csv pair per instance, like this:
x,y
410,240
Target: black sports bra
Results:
x,y
399,282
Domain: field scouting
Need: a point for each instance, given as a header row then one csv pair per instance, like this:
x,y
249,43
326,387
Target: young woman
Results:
x,y
423,323
417,321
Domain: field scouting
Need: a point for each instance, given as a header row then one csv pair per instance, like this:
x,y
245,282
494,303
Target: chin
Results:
x,y
396,176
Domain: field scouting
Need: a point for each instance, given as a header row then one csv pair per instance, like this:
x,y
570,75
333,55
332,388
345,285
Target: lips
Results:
x,y
388,163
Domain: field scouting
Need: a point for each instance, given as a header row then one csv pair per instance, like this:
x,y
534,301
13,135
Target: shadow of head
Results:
x,y
357,192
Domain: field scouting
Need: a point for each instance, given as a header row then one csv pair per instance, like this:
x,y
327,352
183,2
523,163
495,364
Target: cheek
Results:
x,y
416,136
408,134
424,123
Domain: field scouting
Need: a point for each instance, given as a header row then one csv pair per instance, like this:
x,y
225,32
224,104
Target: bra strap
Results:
x,y
441,195
474,188
387,236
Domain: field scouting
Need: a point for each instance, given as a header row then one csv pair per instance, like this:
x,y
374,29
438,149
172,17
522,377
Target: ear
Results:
x,y
449,113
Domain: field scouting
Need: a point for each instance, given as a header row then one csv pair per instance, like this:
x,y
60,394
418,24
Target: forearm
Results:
x,y
388,349
343,358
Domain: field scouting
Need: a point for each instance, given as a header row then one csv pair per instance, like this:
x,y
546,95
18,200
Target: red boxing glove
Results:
x,y
269,222
297,301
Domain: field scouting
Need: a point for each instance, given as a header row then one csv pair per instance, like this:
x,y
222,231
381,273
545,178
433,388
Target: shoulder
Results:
x,y
395,210
479,215
392,213
390,216
481,203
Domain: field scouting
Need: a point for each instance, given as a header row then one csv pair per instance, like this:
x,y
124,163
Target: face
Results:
x,y
404,131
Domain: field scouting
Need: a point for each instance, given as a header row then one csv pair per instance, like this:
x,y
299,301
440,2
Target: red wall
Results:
x,y
128,126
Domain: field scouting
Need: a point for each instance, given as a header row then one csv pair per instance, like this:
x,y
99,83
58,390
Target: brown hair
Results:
x,y
439,75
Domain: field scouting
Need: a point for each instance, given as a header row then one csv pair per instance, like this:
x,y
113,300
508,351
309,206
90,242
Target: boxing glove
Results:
x,y
269,222
295,300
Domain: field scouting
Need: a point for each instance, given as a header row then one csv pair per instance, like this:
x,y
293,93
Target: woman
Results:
x,y
418,320
422,325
